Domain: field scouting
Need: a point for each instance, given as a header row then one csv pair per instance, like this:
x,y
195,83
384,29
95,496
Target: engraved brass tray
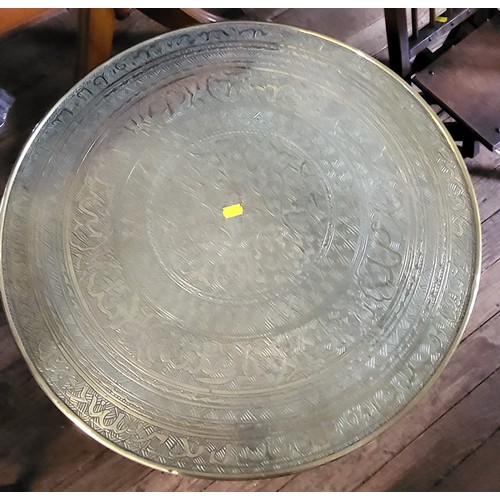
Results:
x,y
238,250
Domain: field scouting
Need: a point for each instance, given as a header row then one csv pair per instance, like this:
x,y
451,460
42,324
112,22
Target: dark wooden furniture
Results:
x,y
404,47
465,81
462,76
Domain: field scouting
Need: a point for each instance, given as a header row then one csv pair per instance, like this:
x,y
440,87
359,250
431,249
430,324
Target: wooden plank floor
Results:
x,y
449,442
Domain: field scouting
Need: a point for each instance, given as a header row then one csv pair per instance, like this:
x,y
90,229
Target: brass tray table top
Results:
x,y
238,250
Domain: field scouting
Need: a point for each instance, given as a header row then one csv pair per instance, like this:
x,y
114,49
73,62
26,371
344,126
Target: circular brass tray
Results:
x,y
238,250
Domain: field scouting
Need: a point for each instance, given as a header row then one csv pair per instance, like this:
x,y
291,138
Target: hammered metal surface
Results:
x,y
263,342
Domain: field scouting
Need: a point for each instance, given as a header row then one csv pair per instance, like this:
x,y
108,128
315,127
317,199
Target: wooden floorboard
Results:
x,y
341,24
478,472
458,433
485,173
163,481
488,298
490,229
9,353
448,441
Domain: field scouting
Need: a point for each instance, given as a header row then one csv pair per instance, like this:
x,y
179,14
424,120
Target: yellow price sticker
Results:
x,y
232,210
441,19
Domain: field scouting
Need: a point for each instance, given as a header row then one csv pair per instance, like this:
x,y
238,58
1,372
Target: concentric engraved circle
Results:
x,y
284,229
259,341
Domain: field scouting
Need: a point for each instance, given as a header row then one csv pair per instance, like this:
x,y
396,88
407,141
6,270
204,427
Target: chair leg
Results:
x,y
470,145
470,148
95,39
397,41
